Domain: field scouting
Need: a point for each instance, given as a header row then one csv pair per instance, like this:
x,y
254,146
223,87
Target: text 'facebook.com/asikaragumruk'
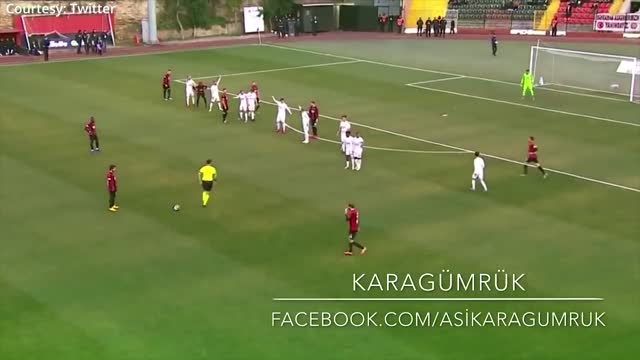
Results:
x,y
447,319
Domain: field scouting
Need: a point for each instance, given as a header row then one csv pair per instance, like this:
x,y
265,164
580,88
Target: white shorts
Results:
x,y
190,93
243,107
281,118
252,107
477,175
357,153
215,97
347,150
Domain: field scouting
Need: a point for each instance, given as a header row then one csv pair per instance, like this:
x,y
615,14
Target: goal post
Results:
x,y
586,71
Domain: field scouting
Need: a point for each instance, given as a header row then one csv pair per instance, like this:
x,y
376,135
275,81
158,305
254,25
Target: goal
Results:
x,y
586,72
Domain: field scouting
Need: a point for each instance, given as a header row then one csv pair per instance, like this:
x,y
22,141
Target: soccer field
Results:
x,y
79,282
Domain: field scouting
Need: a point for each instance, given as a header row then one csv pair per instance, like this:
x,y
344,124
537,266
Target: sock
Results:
x,y
526,169
224,116
358,245
211,106
253,116
473,184
484,185
350,246
205,198
169,91
358,164
542,170
346,164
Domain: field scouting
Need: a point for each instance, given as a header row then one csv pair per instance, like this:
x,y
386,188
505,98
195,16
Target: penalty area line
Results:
x,y
183,81
382,148
534,107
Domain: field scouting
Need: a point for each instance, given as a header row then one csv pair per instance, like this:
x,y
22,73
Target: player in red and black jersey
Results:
x,y
90,128
200,90
112,188
351,214
254,88
166,85
532,157
224,105
314,115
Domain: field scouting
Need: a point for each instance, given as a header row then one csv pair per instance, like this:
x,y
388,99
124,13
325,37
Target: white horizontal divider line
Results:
x,y
447,299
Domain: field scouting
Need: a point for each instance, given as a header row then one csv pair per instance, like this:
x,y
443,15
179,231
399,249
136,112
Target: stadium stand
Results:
x,y
581,12
495,14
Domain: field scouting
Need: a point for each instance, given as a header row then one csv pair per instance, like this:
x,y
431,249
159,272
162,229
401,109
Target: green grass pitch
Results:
x,y
78,282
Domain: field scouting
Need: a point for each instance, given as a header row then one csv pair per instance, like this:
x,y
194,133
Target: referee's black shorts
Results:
x,y
207,185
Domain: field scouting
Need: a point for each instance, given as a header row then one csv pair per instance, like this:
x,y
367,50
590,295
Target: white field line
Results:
x,y
182,81
452,147
377,147
523,105
438,80
412,68
83,57
436,299
576,176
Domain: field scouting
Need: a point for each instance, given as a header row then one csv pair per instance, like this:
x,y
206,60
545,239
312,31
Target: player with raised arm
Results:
x,y
190,89
281,117
357,144
252,101
527,84
352,216
532,157
224,105
306,121
243,106
254,88
166,85
215,94
478,172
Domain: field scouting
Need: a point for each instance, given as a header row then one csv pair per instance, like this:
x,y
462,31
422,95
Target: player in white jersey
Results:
x,y
306,123
347,149
357,144
343,128
243,105
190,90
281,117
478,172
252,100
215,94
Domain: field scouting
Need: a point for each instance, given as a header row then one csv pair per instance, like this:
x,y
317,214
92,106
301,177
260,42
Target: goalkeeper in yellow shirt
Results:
x,y
527,84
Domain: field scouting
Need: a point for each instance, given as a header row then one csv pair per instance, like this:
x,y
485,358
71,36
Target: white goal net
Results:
x,y
585,71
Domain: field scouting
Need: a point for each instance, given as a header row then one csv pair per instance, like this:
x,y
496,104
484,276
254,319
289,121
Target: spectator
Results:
x,y
400,23
453,27
79,41
554,27
419,24
314,25
390,22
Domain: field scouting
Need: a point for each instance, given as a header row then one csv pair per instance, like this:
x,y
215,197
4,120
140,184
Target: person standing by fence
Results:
x,y
400,23
419,25
554,27
427,29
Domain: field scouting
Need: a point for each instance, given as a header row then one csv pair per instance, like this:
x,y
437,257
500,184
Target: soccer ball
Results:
x,y
176,207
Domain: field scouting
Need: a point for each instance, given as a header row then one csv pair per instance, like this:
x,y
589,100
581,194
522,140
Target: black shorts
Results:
x,y
352,235
532,159
207,185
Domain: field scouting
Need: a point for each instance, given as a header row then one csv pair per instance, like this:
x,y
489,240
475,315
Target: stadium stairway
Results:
x,y
549,14
615,7
425,9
